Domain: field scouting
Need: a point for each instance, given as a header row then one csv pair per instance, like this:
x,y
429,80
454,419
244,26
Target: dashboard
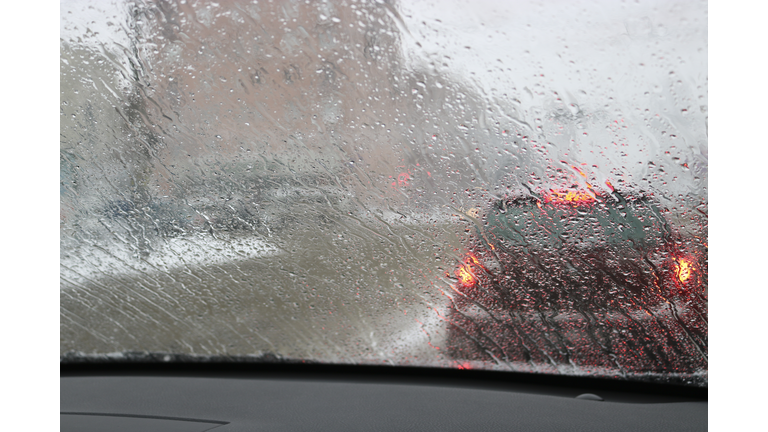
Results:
x,y
243,397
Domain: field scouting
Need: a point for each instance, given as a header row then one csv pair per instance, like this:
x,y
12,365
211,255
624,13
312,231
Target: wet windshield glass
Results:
x,y
491,185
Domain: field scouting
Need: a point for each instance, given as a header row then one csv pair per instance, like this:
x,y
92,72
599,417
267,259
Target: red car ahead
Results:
x,y
583,281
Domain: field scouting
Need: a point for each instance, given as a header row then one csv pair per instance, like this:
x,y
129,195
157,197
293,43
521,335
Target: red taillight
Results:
x,y
466,272
465,276
571,197
684,269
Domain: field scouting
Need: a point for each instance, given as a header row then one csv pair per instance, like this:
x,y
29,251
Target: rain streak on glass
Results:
x,y
514,186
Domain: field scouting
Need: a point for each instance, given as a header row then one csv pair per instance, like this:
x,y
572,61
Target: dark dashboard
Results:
x,y
296,397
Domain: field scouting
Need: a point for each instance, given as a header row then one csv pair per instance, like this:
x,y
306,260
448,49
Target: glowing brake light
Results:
x,y
569,197
465,276
684,269
464,273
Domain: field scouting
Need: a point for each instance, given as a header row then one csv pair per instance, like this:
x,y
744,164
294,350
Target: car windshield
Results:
x,y
513,186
